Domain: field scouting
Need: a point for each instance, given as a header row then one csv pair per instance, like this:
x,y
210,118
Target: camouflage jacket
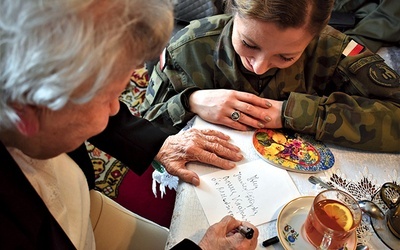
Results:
x,y
352,101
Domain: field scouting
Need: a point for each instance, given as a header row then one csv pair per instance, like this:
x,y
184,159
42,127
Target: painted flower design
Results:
x,y
287,149
291,235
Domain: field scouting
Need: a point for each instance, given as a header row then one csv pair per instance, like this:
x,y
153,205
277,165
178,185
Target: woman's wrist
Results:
x,y
283,113
186,99
192,101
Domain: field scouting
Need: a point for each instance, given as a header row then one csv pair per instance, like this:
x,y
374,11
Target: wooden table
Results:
x,y
359,173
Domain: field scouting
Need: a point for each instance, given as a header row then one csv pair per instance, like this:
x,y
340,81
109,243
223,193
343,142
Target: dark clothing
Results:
x,y
377,21
25,221
132,140
186,244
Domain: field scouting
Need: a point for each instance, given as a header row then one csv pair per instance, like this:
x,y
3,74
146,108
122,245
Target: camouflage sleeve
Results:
x,y
164,104
188,65
365,114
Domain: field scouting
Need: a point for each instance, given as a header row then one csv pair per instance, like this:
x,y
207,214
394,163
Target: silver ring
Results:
x,y
235,115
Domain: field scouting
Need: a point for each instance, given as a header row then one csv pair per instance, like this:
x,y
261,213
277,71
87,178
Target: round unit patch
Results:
x,y
383,75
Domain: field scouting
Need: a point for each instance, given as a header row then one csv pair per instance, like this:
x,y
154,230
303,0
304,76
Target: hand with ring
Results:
x,y
236,109
235,115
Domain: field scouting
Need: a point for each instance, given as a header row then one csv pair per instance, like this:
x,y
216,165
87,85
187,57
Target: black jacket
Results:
x,y
25,221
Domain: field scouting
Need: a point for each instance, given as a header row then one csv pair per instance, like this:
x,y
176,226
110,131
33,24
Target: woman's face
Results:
x,y
263,46
65,129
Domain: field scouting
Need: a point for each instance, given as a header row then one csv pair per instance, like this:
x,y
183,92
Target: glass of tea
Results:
x,y
333,218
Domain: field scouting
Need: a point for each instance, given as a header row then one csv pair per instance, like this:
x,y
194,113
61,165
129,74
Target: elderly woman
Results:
x,y
63,66
276,64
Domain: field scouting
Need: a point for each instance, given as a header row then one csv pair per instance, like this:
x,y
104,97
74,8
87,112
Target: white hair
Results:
x,y
49,48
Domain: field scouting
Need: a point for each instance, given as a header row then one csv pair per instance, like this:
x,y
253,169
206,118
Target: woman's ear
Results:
x,y
28,124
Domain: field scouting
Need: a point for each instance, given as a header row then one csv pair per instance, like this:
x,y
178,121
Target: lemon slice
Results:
x,y
341,214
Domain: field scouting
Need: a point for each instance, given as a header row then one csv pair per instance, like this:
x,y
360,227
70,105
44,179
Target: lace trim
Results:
x,y
363,187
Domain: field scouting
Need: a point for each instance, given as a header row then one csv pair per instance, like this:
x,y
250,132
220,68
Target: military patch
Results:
x,y
352,49
163,59
365,61
383,75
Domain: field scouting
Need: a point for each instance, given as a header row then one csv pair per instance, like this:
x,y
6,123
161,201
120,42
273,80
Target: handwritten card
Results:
x,y
253,192
242,139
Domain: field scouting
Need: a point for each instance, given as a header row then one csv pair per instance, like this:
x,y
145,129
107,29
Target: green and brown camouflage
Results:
x,y
351,101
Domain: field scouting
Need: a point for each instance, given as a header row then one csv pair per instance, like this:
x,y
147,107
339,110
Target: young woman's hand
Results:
x,y
236,109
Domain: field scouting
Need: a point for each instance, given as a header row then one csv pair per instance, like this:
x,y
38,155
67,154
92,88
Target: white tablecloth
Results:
x,y
359,173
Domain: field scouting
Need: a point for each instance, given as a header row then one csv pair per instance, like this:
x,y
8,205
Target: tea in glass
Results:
x,y
332,219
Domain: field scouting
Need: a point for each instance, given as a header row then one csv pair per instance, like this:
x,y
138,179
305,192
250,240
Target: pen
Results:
x,y
247,232
270,241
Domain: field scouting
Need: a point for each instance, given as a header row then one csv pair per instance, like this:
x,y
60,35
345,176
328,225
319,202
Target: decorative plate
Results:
x,y
290,228
292,151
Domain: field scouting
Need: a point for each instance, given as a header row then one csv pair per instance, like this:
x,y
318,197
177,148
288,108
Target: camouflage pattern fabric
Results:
x,y
377,21
351,101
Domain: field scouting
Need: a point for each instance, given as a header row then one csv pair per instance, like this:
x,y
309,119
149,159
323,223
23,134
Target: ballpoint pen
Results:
x,y
247,232
270,241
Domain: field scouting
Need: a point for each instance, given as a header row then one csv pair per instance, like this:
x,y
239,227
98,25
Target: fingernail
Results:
x,y
195,181
267,118
260,125
238,156
269,104
232,165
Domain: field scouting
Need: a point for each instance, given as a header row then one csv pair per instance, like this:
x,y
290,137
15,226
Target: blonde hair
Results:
x,y
49,48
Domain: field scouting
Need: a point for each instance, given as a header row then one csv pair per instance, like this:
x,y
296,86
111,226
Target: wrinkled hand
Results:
x,y
220,236
206,146
217,105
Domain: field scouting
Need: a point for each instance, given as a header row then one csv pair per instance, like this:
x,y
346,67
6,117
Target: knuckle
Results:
x,y
212,138
248,108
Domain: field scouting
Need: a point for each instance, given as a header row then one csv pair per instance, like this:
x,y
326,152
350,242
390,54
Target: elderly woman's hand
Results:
x,y
206,146
220,236
236,109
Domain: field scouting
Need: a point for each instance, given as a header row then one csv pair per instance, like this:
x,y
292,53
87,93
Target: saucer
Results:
x,y
290,228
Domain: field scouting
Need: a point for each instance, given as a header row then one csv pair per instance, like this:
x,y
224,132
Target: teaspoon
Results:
x,y
362,247
371,209
315,180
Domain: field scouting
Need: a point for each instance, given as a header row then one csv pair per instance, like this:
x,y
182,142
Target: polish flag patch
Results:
x,y
352,49
162,59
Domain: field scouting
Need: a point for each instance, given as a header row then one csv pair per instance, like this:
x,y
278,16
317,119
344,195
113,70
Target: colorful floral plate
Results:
x,y
290,225
292,151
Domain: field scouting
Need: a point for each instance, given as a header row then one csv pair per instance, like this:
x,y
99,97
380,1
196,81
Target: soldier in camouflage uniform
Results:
x,y
235,70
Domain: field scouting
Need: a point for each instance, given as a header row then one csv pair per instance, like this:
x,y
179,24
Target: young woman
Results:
x,y
276,64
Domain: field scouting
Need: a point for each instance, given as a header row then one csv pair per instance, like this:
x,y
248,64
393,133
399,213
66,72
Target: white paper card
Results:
x,y
242,139
253,192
